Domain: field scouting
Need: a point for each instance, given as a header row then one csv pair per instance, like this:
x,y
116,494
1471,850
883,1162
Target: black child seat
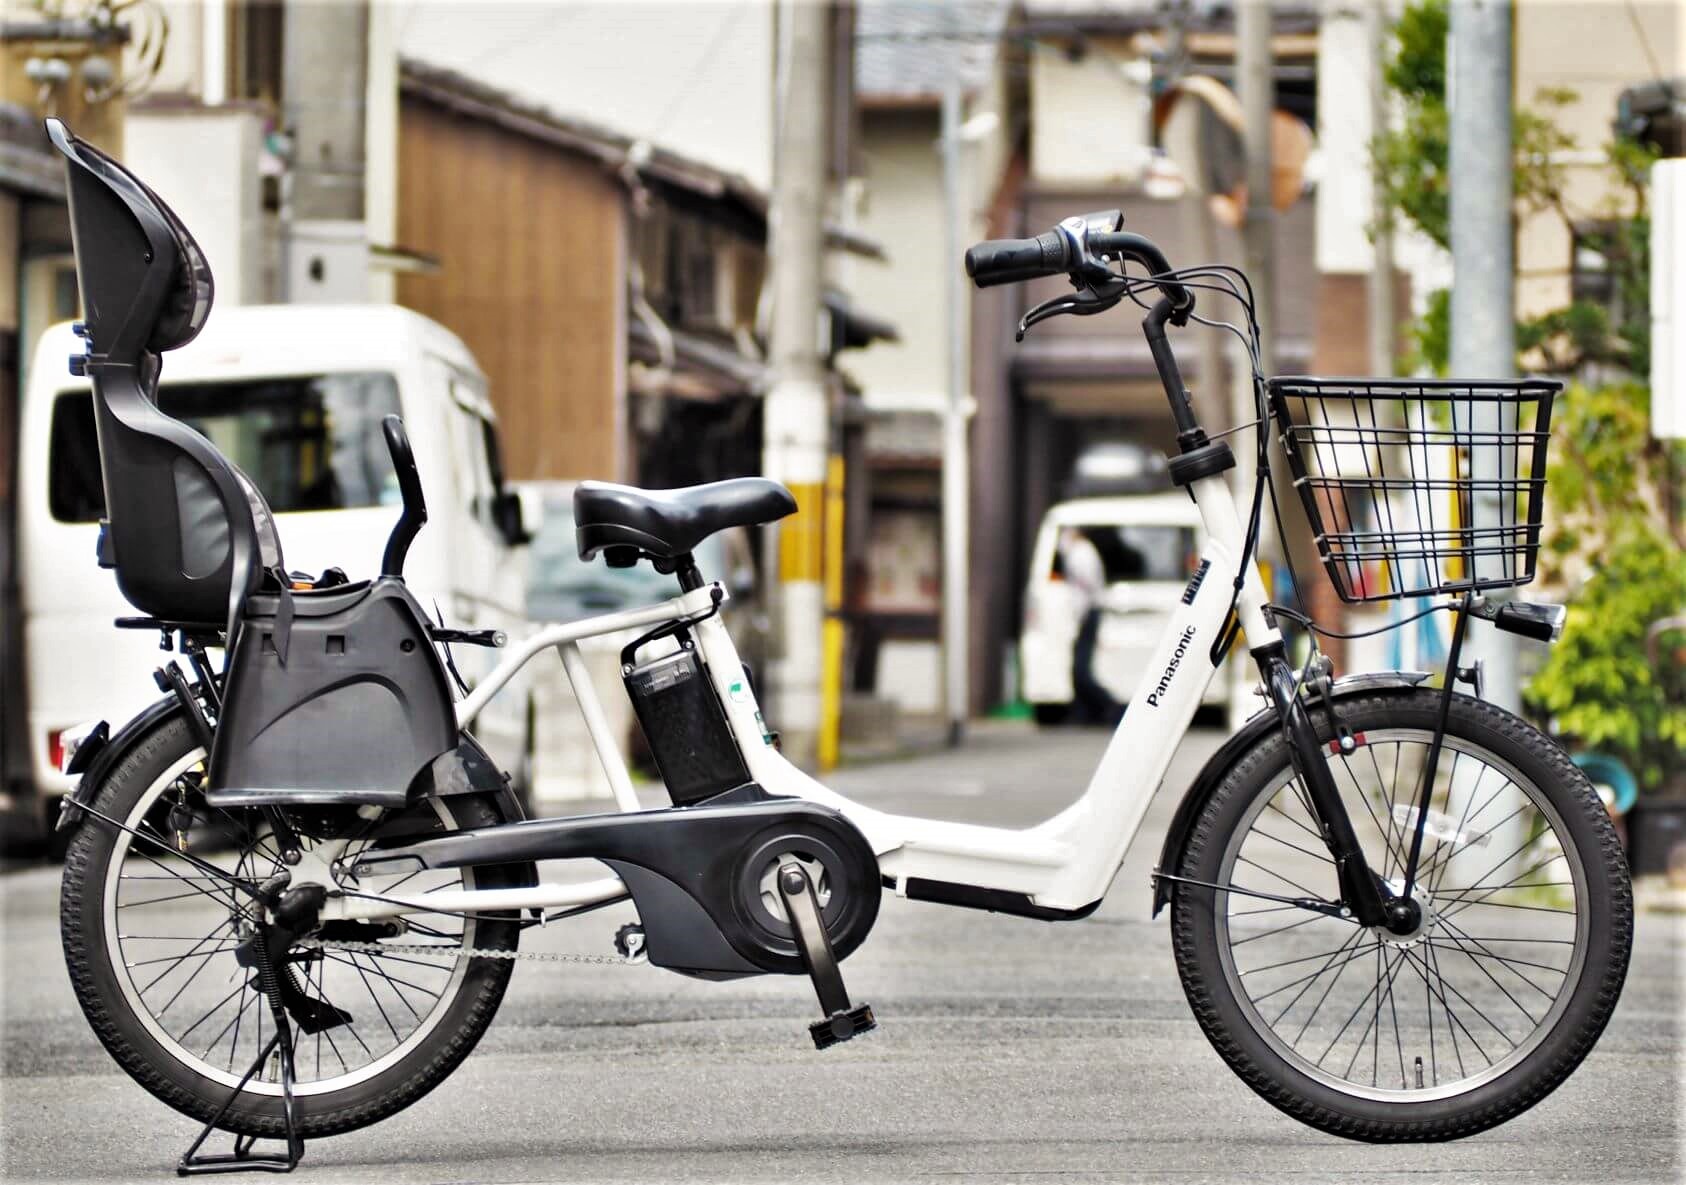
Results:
x,y
626,523
319,685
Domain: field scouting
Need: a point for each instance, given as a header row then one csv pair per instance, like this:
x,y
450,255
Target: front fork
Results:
x,y
1360,890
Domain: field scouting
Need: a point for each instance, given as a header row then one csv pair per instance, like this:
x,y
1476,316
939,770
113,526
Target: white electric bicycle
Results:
x,y
296,885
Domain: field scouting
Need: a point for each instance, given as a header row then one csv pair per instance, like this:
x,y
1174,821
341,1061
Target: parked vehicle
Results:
x,y
307,833
295,396
1149,545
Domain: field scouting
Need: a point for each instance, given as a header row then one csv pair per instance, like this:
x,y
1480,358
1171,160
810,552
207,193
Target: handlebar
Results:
x,y
409,485
1072,247
1084,247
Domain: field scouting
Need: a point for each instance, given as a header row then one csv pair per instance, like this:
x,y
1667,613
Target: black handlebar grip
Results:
x,y
1010,261
409,485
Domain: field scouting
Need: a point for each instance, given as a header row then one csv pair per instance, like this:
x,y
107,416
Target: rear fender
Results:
x,y
106,757
1257,728
468,770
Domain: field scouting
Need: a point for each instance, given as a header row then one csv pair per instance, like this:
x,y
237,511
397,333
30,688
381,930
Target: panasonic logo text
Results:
x,y
1171,668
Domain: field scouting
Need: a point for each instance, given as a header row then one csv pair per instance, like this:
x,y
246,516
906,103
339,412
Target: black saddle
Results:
x,y
626,522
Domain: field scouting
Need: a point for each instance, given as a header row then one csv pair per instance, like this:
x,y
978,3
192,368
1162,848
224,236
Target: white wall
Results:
x,y
1596,50
203,161
182,67
1345,67
1090,124
696,78
902,210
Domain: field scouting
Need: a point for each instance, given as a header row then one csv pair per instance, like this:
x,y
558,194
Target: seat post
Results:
x,y
685,568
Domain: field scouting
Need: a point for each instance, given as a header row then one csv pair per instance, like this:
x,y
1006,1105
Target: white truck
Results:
x,y
1149,546
294,395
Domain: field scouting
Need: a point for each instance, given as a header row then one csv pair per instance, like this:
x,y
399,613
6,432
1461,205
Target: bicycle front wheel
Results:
x,y
1487,1004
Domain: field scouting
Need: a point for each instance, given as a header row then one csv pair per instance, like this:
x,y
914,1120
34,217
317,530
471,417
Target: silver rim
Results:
x,y
1471,992
171,937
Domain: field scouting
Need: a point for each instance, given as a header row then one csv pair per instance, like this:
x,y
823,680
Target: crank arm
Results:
x,y
1333,909
842,1020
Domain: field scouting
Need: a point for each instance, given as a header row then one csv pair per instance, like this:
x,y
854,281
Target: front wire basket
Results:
x,y
1418,487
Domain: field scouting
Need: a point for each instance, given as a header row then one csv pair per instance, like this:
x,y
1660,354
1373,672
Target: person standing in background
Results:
x,y
1085,575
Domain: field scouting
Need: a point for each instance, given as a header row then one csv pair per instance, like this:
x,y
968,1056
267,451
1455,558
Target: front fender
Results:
x,y
1257,727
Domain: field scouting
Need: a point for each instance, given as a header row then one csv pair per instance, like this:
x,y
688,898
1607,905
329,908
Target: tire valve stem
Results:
x,y
1419,1062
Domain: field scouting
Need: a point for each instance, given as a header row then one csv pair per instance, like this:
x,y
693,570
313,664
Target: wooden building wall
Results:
x,y
531,245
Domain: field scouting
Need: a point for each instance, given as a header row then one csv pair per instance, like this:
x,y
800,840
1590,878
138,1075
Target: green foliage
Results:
x,y
1412,163
1430,336
1412,166
1607,487
1599,687
1609,484
1417,69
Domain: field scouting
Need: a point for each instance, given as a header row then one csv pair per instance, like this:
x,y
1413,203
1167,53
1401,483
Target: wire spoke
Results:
x,y
1316,917
1359,1007
182,1036
191,952
1285,880
1460,939
1451,1017
1271,806
1278,839
1322,954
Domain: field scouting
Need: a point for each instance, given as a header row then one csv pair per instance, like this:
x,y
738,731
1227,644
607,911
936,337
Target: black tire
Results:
x,y
161,1070
1274,1065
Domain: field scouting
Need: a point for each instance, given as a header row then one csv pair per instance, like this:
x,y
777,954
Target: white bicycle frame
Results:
x,y
1064,863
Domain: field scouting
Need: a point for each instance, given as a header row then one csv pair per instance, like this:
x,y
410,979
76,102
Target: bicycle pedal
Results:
x,y
841,1026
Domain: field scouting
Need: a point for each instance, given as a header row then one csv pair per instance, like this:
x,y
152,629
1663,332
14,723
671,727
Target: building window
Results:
x,y
1590,278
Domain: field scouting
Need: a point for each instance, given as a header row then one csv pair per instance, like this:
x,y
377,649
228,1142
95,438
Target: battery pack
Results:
x,y
686,727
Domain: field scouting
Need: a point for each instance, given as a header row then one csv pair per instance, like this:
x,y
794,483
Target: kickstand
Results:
x,y
803,909
241,1159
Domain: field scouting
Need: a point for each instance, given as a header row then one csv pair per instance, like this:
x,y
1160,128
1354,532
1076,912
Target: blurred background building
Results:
x,y
584,191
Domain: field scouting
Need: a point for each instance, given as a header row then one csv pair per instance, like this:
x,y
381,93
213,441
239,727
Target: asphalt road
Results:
x,y
1008,1050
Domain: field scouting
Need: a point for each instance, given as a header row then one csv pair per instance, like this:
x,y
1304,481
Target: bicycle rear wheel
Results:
x,y
152,942
1480,1011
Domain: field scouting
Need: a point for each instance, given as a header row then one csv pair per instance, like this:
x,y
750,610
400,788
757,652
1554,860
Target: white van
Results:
x,y
293,395
1149,545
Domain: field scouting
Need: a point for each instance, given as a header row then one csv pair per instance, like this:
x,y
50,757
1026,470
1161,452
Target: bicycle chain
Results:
x,y
413,948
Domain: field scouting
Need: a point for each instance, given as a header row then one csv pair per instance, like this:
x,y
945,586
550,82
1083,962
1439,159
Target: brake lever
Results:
x,y
1088,300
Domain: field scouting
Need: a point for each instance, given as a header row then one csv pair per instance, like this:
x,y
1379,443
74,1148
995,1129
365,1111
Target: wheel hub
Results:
x,y
1409,919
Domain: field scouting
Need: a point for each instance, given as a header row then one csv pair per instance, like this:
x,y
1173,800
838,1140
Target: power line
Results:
x,y
1650,55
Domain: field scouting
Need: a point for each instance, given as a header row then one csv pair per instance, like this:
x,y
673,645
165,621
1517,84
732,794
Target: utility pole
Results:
x,y
956,634
1483,323
324,84
1257,69
1258,102
796,418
